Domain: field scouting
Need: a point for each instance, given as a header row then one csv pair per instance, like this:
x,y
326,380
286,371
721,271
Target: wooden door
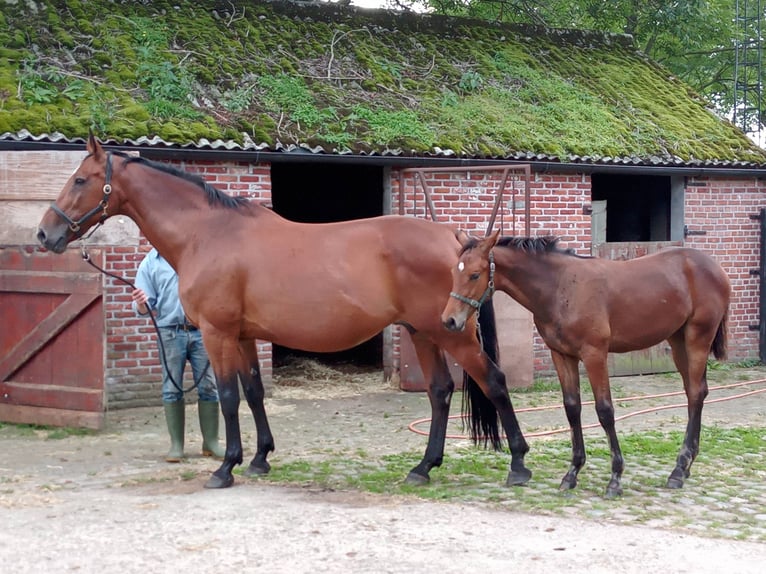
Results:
x,y
52,338
514,336
655,359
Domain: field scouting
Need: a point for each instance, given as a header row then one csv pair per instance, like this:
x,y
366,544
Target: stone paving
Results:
x,y
362,428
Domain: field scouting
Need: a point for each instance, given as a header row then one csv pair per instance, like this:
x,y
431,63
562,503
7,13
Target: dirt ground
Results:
x,y
99,503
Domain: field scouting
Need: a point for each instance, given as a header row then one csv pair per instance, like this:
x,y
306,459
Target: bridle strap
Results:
x,y
107,190
476,304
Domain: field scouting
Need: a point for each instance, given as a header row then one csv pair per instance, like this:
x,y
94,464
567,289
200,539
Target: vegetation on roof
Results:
x,y
344,79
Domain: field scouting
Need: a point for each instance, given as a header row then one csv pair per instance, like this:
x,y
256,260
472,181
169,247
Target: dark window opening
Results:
x,y
314,193
638,207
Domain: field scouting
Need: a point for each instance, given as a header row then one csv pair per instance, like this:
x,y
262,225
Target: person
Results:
x,y
156,290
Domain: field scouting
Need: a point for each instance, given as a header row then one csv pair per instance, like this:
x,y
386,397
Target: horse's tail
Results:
x,y
479,414
720,342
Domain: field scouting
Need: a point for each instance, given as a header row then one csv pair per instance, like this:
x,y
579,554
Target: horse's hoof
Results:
x,y
217,482
613,491
415,479
677,478
518,477
568,483
257,469
674,483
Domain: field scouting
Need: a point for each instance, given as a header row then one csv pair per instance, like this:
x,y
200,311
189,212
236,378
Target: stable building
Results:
x,y
329,113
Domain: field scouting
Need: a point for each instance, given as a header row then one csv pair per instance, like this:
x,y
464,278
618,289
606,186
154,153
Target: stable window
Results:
x,y
636,208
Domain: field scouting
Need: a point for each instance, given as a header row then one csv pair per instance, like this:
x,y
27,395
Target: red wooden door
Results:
x,y
52,338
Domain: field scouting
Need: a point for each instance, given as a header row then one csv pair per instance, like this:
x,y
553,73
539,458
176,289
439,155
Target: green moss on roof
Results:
x,y
344,79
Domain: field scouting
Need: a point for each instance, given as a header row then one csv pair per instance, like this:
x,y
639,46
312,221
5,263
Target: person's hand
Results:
x,y
140,299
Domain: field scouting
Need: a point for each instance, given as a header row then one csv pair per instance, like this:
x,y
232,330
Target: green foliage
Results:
x,y
471,81
183,71
35,88
392,127
692,38
237,100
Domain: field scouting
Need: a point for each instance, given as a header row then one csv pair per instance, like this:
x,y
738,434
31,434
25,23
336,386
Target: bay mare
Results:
x,y
585,307
246,273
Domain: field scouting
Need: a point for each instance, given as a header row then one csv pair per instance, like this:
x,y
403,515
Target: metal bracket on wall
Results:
x,y
523,170
688,232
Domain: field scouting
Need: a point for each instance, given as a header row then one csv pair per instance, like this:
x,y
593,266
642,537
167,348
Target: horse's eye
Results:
x,y
474,276
79,180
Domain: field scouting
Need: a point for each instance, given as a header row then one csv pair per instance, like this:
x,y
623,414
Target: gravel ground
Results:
x,y
106,502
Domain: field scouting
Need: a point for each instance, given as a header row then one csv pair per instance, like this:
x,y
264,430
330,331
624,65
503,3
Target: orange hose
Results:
x,y
413,425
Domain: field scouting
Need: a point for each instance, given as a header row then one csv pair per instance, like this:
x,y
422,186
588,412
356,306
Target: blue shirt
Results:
x,y
159,281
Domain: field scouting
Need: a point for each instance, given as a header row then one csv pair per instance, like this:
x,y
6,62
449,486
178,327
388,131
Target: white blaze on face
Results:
x,y
460,266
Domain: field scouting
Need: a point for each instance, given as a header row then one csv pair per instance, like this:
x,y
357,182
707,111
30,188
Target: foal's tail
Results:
x,y
478,410
719,346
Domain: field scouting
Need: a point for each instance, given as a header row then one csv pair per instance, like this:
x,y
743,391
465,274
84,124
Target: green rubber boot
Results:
x,y
208,425
175,414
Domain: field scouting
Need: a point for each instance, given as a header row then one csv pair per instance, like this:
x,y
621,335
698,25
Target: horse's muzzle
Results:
x,y
452,324
57,245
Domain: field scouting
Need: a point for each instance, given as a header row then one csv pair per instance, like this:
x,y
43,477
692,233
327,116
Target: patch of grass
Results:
x,y
66,432
539,386
729,471
45,431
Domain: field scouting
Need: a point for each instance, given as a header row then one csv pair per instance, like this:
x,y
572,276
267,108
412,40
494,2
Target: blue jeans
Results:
x,y
181,346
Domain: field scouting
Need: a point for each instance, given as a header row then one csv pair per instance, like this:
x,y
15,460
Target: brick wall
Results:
x,y
720,207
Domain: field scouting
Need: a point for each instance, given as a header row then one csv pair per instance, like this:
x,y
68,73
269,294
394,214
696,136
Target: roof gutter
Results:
x,y
300,155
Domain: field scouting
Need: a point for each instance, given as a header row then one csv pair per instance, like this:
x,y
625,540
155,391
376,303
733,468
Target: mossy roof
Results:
x,y
339,79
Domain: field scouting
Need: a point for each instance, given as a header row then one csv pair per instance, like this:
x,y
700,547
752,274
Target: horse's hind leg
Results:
x,y
598,374
690,358
569,377
440,388
491,381
252,386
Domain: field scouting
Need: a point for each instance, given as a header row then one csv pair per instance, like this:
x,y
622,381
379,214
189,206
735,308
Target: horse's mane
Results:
x,y
214,196
546,244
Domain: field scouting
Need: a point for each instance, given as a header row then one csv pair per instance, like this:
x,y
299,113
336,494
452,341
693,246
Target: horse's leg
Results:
x,y
440,388
252,386
569,377
691,361
598,374
224,357
491,380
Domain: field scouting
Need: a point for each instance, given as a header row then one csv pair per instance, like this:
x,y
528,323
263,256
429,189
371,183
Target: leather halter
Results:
x,y
75,225
476,304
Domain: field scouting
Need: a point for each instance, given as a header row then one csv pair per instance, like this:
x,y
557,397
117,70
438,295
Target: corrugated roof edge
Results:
x,y
156,143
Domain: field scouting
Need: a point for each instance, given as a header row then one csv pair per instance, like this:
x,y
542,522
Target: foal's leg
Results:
x,y
491,380
440,388
598,374
569,377
224,357
252,385
690,357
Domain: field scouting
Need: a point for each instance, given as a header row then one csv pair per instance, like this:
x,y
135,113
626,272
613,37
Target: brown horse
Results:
x,y
586,307
245,273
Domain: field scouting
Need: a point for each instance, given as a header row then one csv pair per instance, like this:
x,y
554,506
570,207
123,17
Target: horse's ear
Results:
x,y
487,243
462,237
492,239
93,147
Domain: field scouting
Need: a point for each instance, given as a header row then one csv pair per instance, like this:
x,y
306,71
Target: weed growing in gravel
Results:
x,y
721,498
